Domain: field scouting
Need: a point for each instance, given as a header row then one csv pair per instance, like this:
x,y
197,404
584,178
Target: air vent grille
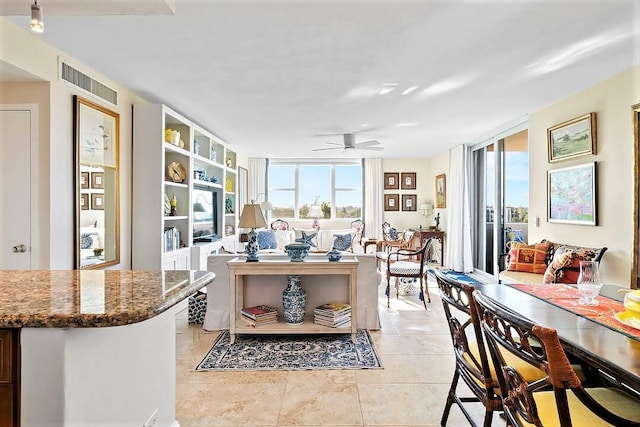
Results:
x,y
87,83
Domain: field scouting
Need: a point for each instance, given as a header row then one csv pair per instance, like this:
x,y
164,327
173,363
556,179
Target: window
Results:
x,y
335,188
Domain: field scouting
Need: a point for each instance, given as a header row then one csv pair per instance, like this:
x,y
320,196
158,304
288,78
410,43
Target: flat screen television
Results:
x,y
205,215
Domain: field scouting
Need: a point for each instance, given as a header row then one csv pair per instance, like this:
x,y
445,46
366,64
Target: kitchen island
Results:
x,y
94,347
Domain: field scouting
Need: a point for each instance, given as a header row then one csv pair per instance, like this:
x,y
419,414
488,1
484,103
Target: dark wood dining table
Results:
x,y
606,349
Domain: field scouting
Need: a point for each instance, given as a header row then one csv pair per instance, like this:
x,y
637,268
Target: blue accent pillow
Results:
x,y
86,241
393,233
267,239
342,242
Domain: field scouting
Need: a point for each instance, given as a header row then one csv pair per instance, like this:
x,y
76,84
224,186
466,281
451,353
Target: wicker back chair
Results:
x,y
525,403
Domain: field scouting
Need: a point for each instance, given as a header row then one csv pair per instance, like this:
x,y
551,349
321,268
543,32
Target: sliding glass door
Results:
x,y
500,196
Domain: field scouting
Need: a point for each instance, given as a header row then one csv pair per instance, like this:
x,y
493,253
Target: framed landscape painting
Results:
x,y
573,138
572,194
441,191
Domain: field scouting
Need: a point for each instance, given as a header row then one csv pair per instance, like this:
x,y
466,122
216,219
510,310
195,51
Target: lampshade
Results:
x,y
425,206
315,212
266,206
37,24
252,217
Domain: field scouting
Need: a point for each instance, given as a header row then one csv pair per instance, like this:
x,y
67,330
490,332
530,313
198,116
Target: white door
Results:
x,y
15,188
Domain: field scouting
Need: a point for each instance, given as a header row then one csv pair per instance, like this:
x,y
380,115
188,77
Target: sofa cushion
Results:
x,y
342,242
528,258
507,276
569,273
309,237
559,261
267,239
284,237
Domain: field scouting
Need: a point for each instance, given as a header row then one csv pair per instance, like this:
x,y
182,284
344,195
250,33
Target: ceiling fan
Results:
x,y
349,143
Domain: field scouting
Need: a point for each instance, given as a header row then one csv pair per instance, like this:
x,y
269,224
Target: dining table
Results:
x,y
613,350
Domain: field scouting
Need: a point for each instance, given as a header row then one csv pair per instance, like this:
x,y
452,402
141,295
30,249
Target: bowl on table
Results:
x,y
631,315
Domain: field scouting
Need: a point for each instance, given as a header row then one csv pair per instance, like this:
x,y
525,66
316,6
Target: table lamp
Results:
x,y
315,212
426,208
252,218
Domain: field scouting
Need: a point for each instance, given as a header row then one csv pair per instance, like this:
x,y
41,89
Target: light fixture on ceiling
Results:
x,y
410,89
37,24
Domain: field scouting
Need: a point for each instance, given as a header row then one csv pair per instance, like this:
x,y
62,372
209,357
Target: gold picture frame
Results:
x,y
573,138
441,191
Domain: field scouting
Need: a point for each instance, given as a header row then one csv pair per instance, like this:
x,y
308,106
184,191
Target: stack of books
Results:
x,y
333,314
259,315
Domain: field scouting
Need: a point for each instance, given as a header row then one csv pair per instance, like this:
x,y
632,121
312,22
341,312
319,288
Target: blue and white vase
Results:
x,y
294,301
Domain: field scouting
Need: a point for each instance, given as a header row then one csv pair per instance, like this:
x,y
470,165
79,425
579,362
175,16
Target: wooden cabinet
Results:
x,y
184,181
9,377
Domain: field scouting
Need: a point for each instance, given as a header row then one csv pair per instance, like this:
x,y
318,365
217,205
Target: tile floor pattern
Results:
x,y
414,346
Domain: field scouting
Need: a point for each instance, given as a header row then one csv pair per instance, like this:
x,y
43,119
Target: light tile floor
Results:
x,y
413,344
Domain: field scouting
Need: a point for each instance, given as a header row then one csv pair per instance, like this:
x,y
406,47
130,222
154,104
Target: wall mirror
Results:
x,y
635,273
97,137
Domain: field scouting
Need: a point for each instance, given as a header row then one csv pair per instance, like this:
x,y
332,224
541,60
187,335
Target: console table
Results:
x,y
239,269
438,234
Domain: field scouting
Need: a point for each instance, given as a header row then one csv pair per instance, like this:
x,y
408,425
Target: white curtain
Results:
x,y
459,255
257,178
373,201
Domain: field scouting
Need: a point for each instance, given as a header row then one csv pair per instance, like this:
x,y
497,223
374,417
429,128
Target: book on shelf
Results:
x,y
258,323
333,309
344,323
259,312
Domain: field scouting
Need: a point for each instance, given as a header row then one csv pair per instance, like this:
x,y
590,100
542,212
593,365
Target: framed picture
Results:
x,y
441,191
408,180
391,202
97,201
97,130
391,180
84,201
572,194
84,179
409,202
573,138
97,180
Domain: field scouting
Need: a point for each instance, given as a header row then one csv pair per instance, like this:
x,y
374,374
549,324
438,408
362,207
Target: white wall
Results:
x,y
55,100
402,220
611,100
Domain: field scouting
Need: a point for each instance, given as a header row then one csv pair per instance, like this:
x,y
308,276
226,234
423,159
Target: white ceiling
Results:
x,y
267,76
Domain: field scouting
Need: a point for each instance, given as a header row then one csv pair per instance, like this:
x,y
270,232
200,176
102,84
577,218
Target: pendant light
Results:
x,y
37,24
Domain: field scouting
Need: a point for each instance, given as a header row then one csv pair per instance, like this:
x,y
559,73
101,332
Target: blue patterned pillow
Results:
x,y
393,233
86,241
267,239
342,242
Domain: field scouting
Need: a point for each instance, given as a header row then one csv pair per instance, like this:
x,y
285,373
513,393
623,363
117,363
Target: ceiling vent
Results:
x,y
78,78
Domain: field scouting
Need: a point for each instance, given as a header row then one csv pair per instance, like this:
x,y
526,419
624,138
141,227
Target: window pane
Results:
x,y
348,204
348,176
282,176
283,202
314,188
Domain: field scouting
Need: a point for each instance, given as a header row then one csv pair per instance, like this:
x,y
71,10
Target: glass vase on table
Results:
x,y
589,283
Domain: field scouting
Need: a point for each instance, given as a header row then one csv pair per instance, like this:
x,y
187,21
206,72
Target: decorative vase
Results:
x,y
297,251
334,255
252,246
294,301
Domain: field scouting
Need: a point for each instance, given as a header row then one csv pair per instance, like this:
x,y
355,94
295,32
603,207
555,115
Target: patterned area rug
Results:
x,y
456,275
290,352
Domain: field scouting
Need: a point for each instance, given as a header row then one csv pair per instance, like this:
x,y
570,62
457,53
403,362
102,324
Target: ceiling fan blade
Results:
x,y
367,129
367,143
330,148
371,148
335,143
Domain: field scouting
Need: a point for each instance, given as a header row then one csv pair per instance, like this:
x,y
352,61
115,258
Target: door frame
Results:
x,y
34,180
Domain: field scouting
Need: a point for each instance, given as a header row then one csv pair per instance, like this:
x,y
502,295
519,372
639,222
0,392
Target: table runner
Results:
x,y
566,297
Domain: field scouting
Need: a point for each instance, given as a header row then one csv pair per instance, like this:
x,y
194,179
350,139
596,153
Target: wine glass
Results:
x,y
589,283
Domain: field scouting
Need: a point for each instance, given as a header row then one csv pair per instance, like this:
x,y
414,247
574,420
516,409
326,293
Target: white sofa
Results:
x,y
323,239
268,290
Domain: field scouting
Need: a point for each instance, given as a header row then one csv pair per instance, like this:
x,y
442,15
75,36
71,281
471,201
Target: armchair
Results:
x,y
409,264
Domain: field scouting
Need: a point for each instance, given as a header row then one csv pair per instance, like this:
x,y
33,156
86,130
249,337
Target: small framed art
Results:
x,y
84,179
391,202
408,180
409,202
97,201
391,180
97,180
84,201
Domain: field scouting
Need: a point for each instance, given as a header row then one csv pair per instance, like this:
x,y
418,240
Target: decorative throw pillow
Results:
x,y
528,258
570,272
310,237
559,261
393,233
267,239
342,242
87,240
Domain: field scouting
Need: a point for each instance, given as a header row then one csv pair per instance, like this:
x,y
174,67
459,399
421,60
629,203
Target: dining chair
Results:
x,y
409,264
473,363
545,402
